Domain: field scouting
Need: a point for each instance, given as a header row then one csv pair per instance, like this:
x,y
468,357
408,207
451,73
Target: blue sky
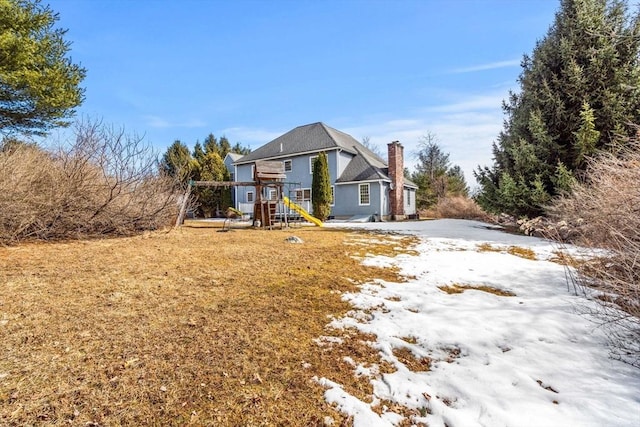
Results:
x,y
253,70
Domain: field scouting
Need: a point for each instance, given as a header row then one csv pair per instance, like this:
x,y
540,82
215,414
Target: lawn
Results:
x,y
191,326
438,323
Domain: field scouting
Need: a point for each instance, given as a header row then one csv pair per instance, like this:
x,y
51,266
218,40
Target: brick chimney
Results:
x,y
396,173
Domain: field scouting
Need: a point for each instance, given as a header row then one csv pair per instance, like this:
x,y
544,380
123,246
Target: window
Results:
x,y
303,194
253,171
273,194
312,160
249,196
363,189
288,167
333,195
408,200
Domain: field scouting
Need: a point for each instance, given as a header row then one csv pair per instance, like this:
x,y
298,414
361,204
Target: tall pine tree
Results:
x,y
580,90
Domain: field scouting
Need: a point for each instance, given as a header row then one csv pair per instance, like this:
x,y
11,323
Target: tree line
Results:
x,y
204,163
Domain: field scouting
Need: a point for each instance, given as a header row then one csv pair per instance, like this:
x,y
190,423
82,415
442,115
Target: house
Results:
x,y
362,183
229,159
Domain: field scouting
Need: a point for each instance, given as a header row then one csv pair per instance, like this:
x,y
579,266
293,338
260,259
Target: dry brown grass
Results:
x,y
565,259
408,359
191,327
457,288
518,251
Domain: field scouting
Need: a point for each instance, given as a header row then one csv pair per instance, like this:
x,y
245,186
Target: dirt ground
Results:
x,y
187,327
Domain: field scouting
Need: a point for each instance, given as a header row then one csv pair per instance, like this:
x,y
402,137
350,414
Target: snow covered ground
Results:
x,y
531,359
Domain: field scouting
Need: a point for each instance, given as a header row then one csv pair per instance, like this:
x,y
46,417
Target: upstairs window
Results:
x,y
312,161
288,166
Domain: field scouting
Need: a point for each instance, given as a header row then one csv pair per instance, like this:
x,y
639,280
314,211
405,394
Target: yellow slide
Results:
x,y
301,211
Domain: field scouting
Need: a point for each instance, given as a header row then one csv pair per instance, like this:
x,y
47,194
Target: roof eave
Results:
x,y
287,156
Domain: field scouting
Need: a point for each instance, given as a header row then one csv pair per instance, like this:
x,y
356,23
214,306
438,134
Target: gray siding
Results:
x,y
343,159
348,199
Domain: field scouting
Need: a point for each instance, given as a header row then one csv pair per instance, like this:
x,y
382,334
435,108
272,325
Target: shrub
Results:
x,y
606,209
104,183
459,207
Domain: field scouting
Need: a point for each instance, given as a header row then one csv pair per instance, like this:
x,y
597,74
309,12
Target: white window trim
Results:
x,y
253,171
302,190
360,194
333,195
250,195
290,162
273,194
311,160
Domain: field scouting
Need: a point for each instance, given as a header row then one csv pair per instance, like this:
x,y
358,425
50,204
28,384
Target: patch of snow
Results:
x,y
526,360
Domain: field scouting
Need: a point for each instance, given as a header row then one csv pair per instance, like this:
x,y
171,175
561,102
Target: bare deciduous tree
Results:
x,y
104,182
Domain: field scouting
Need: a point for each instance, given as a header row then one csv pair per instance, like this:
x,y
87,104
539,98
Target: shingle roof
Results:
x,y
235,156
305,139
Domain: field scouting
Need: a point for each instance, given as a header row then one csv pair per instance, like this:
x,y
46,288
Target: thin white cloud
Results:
x,y
161,123
489,66
476,103
251,137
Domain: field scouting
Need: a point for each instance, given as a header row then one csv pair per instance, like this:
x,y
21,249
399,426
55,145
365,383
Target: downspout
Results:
x,y
235,188
381,199
335,187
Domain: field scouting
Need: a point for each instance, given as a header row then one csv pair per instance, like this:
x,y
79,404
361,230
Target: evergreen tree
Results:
x,y
211,144
237,148
321,188
224,147
434,175
178,163
211,200
579,89
456,184
39,85
587,136
198,152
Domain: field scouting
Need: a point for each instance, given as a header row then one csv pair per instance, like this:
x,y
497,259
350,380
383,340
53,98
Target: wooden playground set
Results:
x,y
268,212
